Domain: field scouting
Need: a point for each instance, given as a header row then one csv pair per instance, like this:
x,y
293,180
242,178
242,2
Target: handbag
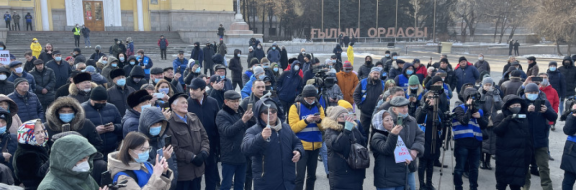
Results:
x,y
358,158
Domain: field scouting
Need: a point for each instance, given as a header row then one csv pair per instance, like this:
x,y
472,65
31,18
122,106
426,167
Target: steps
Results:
x,y
18,42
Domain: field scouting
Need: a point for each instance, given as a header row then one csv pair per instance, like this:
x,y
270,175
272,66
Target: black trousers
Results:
x,y
8,24
239,83
503,187
425,165
16,25
77,40
516,52
248,182
163,53
306,167
195,184
210,69
28,24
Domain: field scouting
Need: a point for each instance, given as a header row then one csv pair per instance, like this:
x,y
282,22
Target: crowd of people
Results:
x,y
118,121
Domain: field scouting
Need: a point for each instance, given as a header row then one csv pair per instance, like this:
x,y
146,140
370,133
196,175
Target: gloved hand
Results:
x,y
198,160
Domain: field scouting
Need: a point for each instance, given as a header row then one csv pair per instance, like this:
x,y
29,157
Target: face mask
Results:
x,y
136,80
347,70
409,72
3,77
261,77
275,69
99,105
545,82
87,90
368,62
118,42
82,167
197,70
259,47
132,62
66,117
296,68
222,77
311,103
74,53
414,88
387,55
2,130
144,107
143,157
121,82
1,48
164,90
303,52
515,110
480,58
155,130
273,47
156,80
58,58
237,55
489,89
552,68
531,97
403,115
266,66
114,65
395,57
19,70
104,62
121,58
137,57
350,113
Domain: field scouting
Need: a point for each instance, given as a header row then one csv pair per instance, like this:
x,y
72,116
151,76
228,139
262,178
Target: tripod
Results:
x,y
447,144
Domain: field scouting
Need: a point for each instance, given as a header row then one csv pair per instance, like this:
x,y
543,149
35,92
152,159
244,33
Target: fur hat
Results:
x,y
116,73
138,97
82,77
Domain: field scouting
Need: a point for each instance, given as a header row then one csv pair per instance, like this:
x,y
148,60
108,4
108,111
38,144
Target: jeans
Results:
x,y
306,166
28,24
324,155
195,184
541,157
8,24
76,40
568,182
212,177
236,171
412,181
391,188
463,154
561,107
162,53
87,41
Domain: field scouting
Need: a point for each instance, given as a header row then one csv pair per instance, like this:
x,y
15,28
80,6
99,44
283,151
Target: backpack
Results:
x,y
358,158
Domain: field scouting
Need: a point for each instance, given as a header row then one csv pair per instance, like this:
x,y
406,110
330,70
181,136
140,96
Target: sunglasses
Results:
x,y
272,111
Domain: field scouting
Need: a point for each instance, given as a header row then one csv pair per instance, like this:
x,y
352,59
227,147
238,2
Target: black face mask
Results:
x,y
368,62
515,110
99,105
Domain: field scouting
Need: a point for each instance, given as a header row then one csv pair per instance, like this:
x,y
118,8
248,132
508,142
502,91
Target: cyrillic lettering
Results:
x,y
372,32
354,33
425,32
312,33
321,34
333,32
410,34
381,31
400,33
391,32
419,33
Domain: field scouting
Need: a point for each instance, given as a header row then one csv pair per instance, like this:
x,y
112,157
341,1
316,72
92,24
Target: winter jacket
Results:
x,y
29,65
30,164
388,173
231,129
331,92
163,43
36,49
154,182
235,66
28,77
79,58
45,56
421,72
350,54
85,32
8,141
130,121
425,118
246,76
557,82
511,86
401,80
13,109
347,83
139,73
29,106
552,97
569,73
514,144
67,152
308,133
45,79
96,55
6,87
206,113
63,91
147,63
221,49
338,142
492,103
568,162
468,74
289,85
508,65
118,96
272,165
283,59
274,56
108,68
189,140
364,71
208,53
79,124
482,65
539,127
179,66
450,79
103,116
371,93
259,54
80,95
151,117
61,71
197,54
533,69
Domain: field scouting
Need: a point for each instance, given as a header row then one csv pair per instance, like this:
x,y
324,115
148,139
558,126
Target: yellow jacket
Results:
x,y
36,48
350,54
298,125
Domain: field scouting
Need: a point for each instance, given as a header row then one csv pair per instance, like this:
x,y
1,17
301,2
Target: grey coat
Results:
x,y
493,103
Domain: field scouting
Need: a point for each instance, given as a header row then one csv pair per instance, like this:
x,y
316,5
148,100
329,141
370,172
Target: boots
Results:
x,y
488,165
483,165
423,186
430,186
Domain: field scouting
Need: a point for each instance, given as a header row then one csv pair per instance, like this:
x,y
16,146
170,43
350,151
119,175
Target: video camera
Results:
x,y
476,100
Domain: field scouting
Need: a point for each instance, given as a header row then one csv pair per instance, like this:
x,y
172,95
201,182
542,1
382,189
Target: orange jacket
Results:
x,y
347,83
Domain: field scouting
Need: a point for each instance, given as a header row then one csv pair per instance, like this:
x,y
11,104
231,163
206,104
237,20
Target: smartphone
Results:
x,y
537,79
167,141
537,105
159,95
105,179
399,120
66,127
317,114
521,116
160,153
249,106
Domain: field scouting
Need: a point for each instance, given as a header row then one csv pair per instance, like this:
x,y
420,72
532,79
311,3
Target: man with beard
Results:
x,y
366,96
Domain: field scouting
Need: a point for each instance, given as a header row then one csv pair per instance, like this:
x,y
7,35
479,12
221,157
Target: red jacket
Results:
x,y
164,39
422,71
299,73
458,65
552,97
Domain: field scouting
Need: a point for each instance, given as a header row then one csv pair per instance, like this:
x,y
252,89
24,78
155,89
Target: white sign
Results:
x,y
401,152
4,58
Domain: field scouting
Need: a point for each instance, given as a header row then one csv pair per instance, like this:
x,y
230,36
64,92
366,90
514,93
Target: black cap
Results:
x,y
435,79
56,52
138,97
38,62
416,61
180,52
168,68
197,83
531,58
78,50
516,73
176,96
462,59
99,93
214,78
552,63
82,77
116,73
231,95
156,70
15,63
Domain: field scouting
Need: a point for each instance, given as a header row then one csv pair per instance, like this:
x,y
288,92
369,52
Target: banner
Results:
x,y
391,32
4,58
401,152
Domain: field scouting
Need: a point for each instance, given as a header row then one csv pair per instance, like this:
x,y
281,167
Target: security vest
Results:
x,y
403,82
466,130
142,177
76,31
311,133
363,85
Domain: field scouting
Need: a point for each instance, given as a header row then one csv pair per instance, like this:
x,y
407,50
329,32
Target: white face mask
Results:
x,y
3,77
82,167
19,70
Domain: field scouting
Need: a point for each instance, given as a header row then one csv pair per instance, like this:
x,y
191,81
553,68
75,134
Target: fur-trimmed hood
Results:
x,y
13,108
74,91
52,117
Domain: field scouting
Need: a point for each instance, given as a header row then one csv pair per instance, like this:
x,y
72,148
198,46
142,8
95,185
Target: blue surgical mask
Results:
x,y
261,77
197,70
275,69
266,66
387,55
114,65
132,62
552,68
237,55
58,58
121,58
531,97
222,77
3,130
104,62
142,157
414,88
403,115
144,107
121,82
350,113
395,57
296,68
66,117
137,57
409,72
164,90
156,80
155,130
1,48
273,47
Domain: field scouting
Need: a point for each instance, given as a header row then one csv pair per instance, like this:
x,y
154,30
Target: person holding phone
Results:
x,y
105,117
131,163
341,132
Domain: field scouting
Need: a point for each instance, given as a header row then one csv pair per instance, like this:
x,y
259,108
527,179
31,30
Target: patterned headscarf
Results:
x,y
26,133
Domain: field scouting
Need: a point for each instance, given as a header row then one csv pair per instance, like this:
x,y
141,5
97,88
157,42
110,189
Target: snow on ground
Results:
x,y
553,56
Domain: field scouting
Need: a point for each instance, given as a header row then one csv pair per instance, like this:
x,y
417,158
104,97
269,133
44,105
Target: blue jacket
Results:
x,y
272,165
28,18
179,67
200,56
7,17
468,74
247,89
467,130
61,71
289,85
274,56
402,79
147,62
259,53
539,126
29,106
130,121
108,114
558,83
27,76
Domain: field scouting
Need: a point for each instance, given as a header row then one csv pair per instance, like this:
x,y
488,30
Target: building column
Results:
x,y
44,13
140,15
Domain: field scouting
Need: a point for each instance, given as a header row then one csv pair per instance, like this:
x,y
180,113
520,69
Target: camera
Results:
x,y
521,116
436,89
476,100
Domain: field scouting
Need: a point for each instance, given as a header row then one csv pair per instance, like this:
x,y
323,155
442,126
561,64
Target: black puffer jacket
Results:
x,y
108,114
425,116
231,129
44,80
569,73
30,164
29,106
539,126
6,87
373,92
558,82
118,97
364,70
137,72
569,157
208,53
492,103
514,144
128,68
235,66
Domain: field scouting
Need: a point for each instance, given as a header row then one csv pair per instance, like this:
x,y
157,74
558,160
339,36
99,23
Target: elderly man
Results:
x,y
29,106
118,93
82,87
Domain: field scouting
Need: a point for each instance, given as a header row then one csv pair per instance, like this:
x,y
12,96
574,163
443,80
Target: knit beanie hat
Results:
x,y
345,104
309,91
552,63
413,80
18,81
264,109
487,80
99,93
258,70
347,65
462,59
531,88
435,79
516,73
375,69
334,111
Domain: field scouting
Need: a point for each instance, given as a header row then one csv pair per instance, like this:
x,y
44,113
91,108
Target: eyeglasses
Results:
x,y
430,97
271,111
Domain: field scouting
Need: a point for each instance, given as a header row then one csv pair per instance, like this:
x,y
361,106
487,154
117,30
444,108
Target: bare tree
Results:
x,y
467,11
554,19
